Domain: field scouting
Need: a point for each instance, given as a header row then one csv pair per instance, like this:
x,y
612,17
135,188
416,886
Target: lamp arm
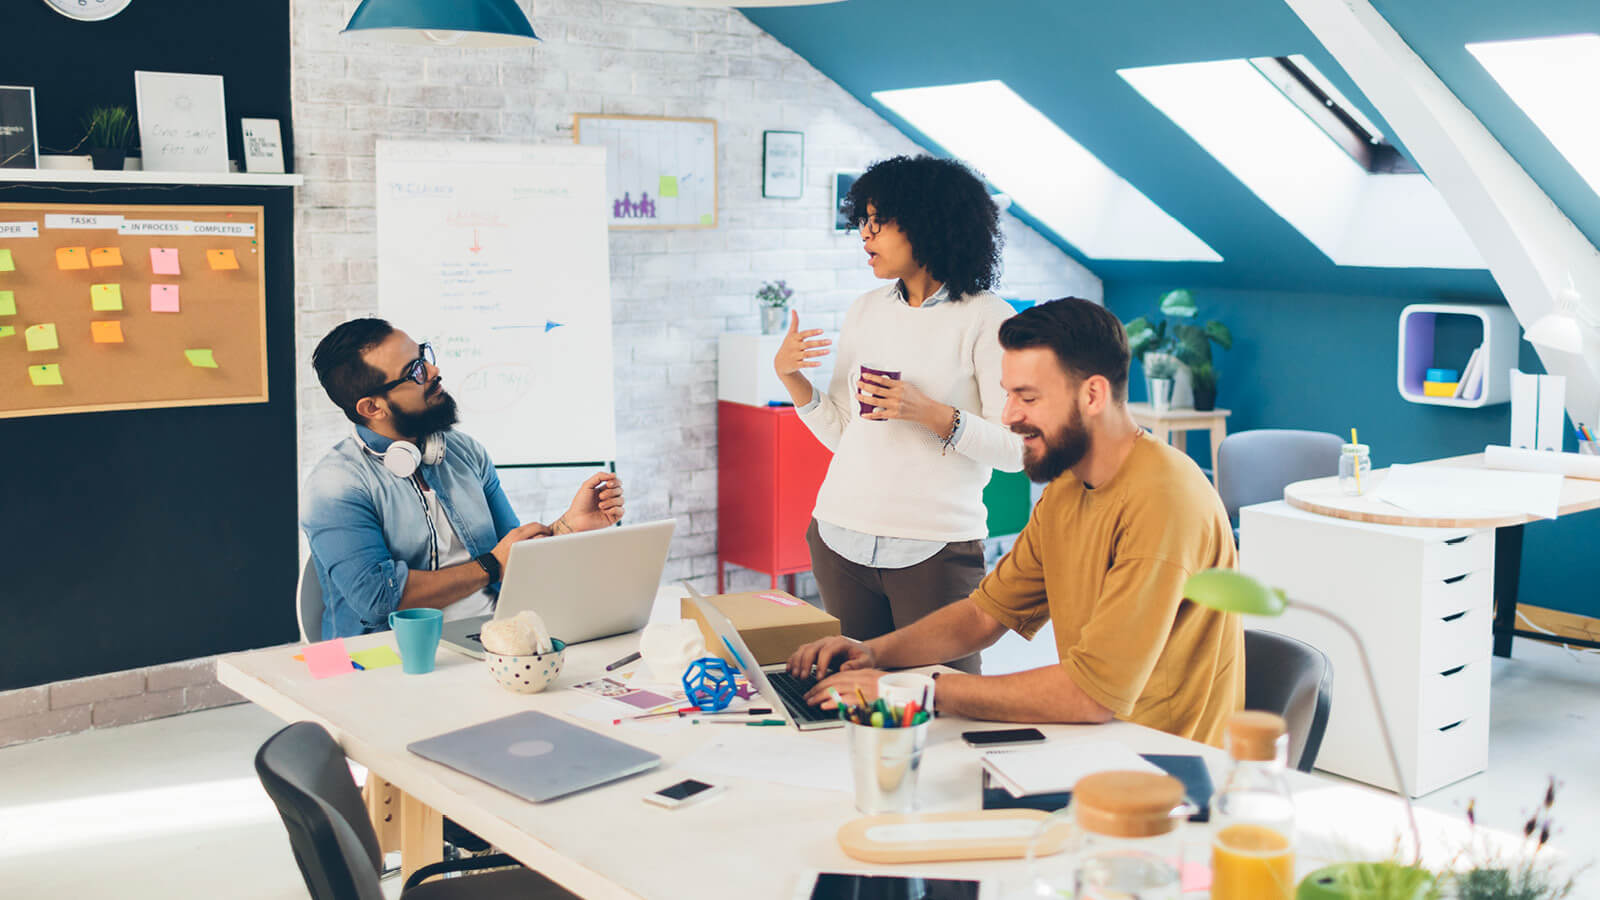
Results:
x,y
1383,720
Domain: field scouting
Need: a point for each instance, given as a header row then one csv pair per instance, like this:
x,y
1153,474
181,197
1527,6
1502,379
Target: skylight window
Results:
x,y
1355,217
1553,79
1311,91
1047,173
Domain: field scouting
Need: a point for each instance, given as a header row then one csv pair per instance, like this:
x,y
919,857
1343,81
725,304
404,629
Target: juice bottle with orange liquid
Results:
x,y
1252,852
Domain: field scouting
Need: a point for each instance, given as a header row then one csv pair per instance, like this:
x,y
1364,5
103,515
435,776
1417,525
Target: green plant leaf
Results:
x,y
1140,336
1178,303
1190,345
1219,332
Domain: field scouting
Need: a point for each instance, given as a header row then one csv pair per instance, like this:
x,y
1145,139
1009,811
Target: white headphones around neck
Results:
x,y
402,458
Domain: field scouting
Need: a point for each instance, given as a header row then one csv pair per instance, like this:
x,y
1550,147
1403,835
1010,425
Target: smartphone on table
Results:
x,y
683,793
1003,736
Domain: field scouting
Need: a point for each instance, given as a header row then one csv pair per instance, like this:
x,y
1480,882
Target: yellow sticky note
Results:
x,y
69,258
706,218
8,303
201,359
375,658
105,297
102,257
222,259
106,332
45,375
41,337
7,331
668,186
7,264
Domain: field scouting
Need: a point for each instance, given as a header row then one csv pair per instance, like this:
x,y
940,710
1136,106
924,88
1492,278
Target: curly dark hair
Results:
x,y
945,212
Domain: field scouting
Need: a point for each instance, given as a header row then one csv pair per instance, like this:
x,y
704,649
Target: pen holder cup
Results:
x,y
1589,448
528,674
884,763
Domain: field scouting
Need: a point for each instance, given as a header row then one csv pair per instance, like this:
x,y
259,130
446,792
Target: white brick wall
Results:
x,y
673,292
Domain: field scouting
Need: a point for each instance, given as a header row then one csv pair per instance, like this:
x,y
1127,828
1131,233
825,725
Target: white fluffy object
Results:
x,y
521,635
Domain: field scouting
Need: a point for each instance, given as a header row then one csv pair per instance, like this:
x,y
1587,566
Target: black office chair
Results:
x,y
305,774
1294,680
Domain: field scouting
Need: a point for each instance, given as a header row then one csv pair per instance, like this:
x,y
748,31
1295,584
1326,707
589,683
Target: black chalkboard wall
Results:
x,y
142,537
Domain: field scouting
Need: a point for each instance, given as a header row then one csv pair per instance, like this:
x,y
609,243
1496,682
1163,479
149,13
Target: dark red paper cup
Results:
x,y
885,373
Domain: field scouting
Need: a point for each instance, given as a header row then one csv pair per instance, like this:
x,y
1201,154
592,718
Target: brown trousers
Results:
x,y
869,601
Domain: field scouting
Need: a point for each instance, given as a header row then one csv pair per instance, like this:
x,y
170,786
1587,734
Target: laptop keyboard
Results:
x,y
793,691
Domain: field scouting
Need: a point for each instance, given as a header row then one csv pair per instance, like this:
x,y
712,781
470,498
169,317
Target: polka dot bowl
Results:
x,y
527,674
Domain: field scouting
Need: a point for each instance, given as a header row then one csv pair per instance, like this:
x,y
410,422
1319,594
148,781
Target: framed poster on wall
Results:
x,y
841,189
783,165
19,134
182,123
660,172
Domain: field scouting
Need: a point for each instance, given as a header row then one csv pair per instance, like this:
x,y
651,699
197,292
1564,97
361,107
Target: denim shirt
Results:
x,y
368,528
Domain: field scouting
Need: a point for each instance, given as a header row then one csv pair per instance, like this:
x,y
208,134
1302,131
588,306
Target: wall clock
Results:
x,y
88,10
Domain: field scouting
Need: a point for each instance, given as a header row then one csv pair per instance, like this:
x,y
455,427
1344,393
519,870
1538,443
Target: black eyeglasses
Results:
x,y
416,371
869,226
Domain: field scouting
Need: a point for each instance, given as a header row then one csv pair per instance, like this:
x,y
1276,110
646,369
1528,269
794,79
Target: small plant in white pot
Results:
x,y
774,299
1187,344
1159,373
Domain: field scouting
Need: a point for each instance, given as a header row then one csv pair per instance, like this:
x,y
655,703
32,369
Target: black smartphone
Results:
x,y
1003,736
838,886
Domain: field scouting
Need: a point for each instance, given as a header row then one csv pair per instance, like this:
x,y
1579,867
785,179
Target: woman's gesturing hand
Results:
x,y
800,348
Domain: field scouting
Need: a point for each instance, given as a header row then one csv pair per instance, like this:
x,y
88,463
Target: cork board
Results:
x,y
660,172
130,307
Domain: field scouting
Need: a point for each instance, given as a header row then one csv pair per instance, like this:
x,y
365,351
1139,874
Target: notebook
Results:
x,y
1191,770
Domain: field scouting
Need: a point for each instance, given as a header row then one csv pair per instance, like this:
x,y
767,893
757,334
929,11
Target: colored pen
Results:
x,y
759,723
631,657
359,666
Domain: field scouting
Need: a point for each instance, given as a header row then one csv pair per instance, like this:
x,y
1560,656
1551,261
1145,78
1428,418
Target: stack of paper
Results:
x,y
1471,383
1468,493
1057,766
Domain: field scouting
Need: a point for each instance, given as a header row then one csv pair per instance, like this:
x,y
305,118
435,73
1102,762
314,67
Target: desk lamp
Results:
x,y
1229,591
443,23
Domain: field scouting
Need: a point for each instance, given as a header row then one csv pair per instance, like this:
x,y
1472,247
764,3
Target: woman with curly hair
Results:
x,y
913,411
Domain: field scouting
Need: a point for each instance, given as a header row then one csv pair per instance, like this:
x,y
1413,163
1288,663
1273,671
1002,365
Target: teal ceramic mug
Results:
x,y
416,632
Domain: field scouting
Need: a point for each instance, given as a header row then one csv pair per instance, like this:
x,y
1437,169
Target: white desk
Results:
x,y
750,842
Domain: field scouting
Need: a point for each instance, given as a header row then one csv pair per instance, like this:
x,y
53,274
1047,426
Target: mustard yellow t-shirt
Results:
x,y
1107,566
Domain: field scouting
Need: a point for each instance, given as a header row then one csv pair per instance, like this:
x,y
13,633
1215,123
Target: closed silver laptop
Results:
x,y
535,756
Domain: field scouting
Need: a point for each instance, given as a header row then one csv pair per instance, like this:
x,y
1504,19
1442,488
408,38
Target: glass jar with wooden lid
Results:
x,y
1127,842
1252,853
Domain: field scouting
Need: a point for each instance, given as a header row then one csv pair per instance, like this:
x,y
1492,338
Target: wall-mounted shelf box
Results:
x,y
1500,336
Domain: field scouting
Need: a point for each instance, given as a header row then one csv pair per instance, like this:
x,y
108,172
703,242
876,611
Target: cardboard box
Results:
x,y
772,623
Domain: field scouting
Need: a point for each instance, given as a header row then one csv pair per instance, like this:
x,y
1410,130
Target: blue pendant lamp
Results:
x,y
443,23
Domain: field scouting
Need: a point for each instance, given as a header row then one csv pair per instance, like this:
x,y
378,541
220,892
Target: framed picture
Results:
x,y
182,123
841,189
783,164
19,133
661,172
263,145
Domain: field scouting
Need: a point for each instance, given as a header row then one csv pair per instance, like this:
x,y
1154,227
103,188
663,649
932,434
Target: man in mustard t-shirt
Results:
x,y
1124,522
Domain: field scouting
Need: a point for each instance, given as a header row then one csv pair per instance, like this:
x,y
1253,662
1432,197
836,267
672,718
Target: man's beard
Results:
x,y
1062,450
434,418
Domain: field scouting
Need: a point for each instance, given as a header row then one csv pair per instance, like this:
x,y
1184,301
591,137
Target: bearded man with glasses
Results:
x,y
408,511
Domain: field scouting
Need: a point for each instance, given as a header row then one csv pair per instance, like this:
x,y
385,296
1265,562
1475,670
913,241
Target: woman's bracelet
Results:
x,y
955,425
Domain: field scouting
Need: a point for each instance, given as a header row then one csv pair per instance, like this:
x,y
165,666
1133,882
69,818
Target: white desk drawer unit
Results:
x,y
1422,601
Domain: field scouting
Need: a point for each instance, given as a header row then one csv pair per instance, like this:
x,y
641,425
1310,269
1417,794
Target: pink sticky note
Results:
x,y
163,298
164,260
781,600
328,658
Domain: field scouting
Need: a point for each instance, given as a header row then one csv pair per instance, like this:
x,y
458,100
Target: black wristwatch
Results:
x,y
490,564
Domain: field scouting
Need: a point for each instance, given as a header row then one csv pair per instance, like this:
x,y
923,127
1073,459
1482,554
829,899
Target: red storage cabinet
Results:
x,y
769,467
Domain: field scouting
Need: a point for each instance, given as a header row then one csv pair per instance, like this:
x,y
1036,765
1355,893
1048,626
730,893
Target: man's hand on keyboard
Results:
x,y
818,658
846,683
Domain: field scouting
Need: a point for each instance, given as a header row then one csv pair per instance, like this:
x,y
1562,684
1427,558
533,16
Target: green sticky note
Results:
x,y
8,303
7,331
45,375
7,264
105,297
375,658
201,359
707,218
668,186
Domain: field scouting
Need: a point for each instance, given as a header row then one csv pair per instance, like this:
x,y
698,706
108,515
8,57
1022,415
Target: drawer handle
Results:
x,y
1454,541
1456,579
1454,616
1448,672
1444,728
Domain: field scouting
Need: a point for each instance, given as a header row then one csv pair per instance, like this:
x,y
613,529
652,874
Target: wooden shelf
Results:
x,y
133,177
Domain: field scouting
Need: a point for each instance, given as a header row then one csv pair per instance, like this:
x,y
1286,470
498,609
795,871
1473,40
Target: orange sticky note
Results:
x,y
101,257
106,332
45,374
164,260
69,258
163,298
222,259
105,297
41,337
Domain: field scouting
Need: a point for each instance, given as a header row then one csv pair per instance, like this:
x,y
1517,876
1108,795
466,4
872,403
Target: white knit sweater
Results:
x,y
889,478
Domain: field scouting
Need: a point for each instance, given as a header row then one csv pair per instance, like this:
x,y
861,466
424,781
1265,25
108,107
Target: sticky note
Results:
x,y
222,259
106,332
706,218
69,258
102,257
201,359
668,186
7,331
376,658
164,260
7,264
105,297
41,337
45,375
328,658
8,303
163,298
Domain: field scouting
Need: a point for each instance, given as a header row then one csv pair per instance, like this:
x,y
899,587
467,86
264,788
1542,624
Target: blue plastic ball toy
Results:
x,y
709,683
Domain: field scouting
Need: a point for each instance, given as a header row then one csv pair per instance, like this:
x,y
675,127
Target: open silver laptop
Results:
x,y
588,585
535,756
784,692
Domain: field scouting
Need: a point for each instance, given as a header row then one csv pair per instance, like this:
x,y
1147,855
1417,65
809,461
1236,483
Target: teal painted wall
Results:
x,y
1327,362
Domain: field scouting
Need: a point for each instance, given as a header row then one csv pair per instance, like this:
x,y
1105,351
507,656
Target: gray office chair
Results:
x,y
308,603
1294,680
1255,466
305,774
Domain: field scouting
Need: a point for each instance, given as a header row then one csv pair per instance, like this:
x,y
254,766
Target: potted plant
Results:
x,y
1188,343
1488,875
774,299
1159,373
1203,378
106,131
